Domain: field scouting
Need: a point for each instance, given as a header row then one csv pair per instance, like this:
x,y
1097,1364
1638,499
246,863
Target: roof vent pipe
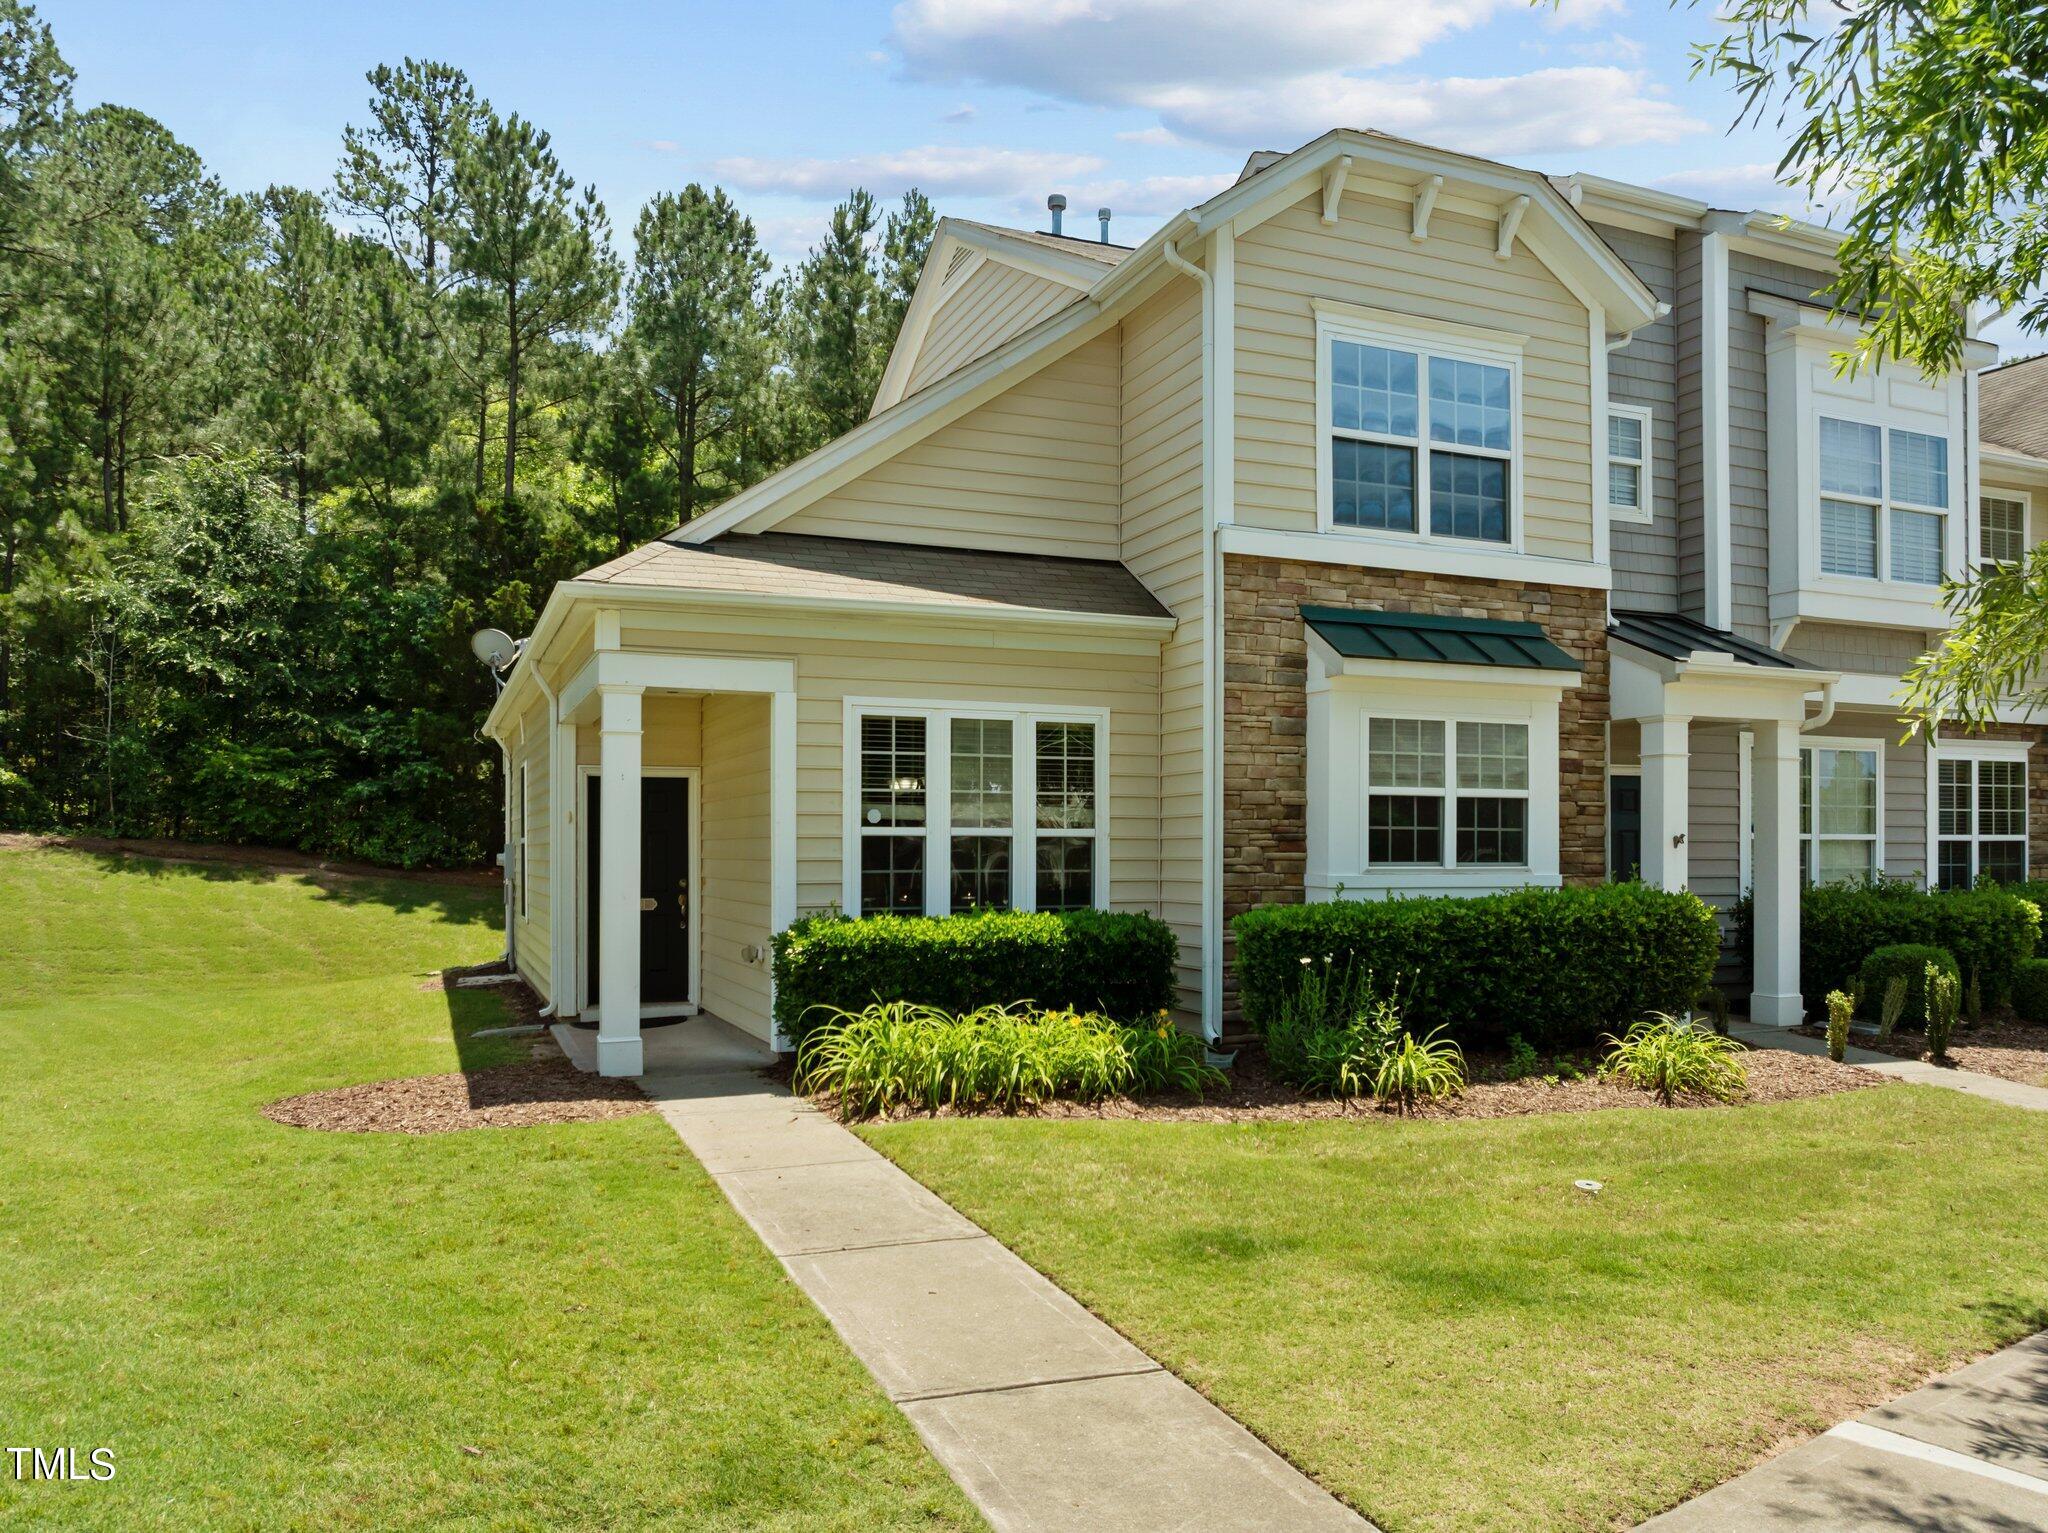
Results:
x,y
1103,215
1057,202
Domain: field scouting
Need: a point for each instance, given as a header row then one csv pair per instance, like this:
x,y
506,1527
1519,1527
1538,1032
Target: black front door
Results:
x,y
1625,826
664,888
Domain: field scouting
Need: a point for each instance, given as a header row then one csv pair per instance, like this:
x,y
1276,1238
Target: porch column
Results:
x,y
1666,784
1774,772
781,832
618,1001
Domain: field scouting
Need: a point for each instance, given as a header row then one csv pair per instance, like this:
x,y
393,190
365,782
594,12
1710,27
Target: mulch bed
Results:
x,y
1255,1095
2004,1046
504,1096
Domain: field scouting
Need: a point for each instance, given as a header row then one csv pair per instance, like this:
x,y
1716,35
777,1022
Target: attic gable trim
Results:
x,y
1572,240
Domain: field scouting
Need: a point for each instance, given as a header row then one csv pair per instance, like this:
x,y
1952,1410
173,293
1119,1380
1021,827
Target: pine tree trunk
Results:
x,y
511,395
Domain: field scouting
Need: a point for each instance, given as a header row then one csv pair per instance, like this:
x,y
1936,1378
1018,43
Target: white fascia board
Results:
x,y
1362,550
1632,207
626,597
2006,459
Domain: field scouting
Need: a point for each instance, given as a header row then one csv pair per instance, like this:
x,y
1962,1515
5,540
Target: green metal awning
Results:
x,y
1433,639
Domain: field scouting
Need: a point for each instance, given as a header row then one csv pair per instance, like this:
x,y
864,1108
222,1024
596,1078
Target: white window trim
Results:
x,y
2024,499
1975,750
1426,338
938,829
1884,505
1450,792
1646,512
1339,706
1811,838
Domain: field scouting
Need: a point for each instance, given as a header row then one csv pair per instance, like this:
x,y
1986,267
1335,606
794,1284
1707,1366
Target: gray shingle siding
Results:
x,y
1844,647
1644,372
1689,459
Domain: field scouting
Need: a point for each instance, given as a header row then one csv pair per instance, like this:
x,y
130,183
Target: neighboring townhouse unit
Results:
x,y
1393,522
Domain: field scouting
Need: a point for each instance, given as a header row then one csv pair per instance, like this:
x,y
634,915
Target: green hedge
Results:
x,y
1117,963
1557,966
1910,959
1988,930
2030,989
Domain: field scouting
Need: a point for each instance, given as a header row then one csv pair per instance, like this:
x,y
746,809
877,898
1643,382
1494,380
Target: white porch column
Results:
x,y
618,1002
1666,784
1774,769
781,831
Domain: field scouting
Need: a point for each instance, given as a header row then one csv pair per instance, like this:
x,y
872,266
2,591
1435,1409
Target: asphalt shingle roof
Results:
x,y
2013,406
860,569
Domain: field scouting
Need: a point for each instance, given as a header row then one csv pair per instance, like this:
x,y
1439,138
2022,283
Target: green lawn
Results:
x,y
1432,1322
273,1328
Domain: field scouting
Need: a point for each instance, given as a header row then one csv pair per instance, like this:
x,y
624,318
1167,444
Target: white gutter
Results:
x,y
1827,710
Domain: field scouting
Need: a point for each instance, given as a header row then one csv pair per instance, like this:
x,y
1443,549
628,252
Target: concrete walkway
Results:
x,y
1966,1454
1919,1072
1046,1417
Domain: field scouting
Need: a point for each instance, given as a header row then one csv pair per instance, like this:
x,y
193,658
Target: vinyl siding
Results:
x,y
1645,372
1369,259
1850,647
1903,846
1748,484
995,302
1690,457
1035,470
1162,546
733,904
1713,844
531,915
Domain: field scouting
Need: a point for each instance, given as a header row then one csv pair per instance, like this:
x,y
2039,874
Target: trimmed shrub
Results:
x,y
2030,989
1120,964
1987,931
1554,965
1841,1011
1909,961
897,1054
1944,1000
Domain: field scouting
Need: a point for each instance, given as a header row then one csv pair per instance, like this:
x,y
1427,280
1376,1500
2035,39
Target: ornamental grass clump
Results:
x,y
1419,1070
1944,1001
1841,1009
1674,1059
894,1055
1336,1035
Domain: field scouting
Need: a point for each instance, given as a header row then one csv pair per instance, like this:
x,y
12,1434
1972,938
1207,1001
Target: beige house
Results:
x,y
1393,522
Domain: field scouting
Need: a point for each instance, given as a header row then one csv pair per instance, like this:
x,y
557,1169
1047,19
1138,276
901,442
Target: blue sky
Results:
x,y
1148,105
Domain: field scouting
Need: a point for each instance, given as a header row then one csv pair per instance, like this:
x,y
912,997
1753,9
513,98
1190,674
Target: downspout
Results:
x,y
1212,626
1827,710
554,793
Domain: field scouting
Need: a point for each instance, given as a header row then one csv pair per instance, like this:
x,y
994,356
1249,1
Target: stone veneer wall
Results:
x,y
1265,712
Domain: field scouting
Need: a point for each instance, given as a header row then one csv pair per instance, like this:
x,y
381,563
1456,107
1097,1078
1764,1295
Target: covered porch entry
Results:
x,y
682,808
1693,695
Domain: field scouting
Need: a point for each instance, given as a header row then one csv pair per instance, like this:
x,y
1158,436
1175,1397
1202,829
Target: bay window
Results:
x,y
1980,818
962,808
1419,427
1839,815
1883,502
1427,777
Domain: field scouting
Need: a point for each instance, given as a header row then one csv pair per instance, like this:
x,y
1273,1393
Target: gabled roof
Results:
x,y
2013,406
1679,638
1429,638
1066,244
796,566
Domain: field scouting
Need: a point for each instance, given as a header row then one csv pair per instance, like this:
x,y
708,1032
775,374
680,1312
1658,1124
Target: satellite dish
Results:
x,y
495,647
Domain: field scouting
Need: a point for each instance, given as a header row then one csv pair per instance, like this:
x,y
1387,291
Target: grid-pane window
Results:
x,y
1980,820
955,811
1628,462
1446,793
1883,503
1838,814
2002,529
1409,425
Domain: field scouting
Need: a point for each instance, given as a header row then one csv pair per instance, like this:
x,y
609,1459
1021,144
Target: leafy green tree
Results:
x,y
531,252
833,317
35,96
906,241
614,443
397,174
301,333
698,330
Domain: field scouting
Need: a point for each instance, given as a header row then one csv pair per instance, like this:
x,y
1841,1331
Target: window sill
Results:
x,y
1378,883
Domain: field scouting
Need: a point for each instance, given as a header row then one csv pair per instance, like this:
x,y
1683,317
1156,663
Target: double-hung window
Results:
x,y
1883,502
1446,793
2002,529
1419,434
1980,819
1838,814
1628,462
957,809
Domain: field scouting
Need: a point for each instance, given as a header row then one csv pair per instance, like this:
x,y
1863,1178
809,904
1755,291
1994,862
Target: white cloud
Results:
x,y
1111,51
964,112
1614,48
1154,137
1511,116
1146,197
1752,186
938,169
1583,13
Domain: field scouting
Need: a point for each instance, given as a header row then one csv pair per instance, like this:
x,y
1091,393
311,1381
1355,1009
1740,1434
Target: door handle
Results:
x,y
648,904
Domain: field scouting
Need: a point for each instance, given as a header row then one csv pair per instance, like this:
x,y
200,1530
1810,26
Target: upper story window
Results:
x,y
1883,502
2002,528
1628,462
1420,426
968,808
